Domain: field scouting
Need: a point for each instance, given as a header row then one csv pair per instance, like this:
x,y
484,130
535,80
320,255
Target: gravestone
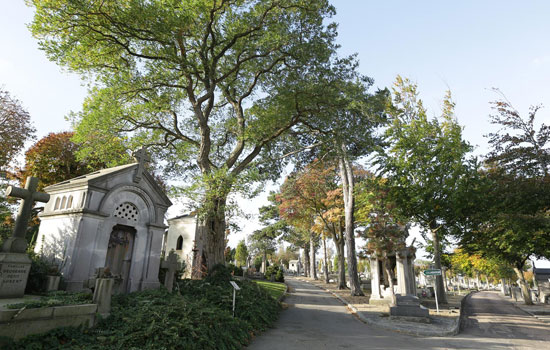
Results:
x,y
14,263
172,265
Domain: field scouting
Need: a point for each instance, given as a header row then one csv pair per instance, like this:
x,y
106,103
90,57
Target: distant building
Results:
x,y
180,236
542,277
294,266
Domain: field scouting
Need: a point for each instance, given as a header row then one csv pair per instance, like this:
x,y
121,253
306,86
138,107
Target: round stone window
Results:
x,y
126,211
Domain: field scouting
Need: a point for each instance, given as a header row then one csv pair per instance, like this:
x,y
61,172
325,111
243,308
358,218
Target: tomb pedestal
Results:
x,y
408,306
14,272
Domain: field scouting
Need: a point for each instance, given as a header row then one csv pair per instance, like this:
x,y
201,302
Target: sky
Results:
x,y
467,47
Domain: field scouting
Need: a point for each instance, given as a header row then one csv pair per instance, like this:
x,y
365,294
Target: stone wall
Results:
x,y
20,323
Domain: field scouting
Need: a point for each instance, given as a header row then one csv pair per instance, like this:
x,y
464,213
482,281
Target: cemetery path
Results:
x,y
492,316
316,320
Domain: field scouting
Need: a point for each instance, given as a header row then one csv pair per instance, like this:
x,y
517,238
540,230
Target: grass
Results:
x,y
275,289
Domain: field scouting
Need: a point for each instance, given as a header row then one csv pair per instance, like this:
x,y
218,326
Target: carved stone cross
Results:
x,y
141,157
172,264
17,243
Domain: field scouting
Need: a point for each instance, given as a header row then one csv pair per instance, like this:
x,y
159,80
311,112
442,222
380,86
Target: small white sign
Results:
x,y
235,285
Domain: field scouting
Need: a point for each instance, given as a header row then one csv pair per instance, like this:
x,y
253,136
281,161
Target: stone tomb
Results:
x,y
407,303
111,218
179,238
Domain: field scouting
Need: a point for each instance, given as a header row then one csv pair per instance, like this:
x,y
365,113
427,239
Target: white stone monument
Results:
x,y
179,238
112,218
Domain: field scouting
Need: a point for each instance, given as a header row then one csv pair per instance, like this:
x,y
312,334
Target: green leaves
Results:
x,y
198,318
426,159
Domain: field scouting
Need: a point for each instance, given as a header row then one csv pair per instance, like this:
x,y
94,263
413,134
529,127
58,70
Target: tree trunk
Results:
x,y
341,263
441,295
210,239
306,260
346,174
387,268
312,267
524,286
325,262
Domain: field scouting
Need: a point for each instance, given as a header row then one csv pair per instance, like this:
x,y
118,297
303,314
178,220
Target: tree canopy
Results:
x,y
16,128
211,88
53,159
426,165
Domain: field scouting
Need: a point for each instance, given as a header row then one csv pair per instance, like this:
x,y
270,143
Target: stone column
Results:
x,y
403,271
412,280
375,277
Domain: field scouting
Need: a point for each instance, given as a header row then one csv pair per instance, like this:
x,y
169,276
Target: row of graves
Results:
x,y
105,232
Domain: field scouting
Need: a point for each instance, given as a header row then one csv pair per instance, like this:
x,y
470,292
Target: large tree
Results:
x,y
345,132
513,223
210,85
426,165
16,128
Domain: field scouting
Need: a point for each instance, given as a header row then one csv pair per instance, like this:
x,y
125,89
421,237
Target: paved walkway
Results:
x,y
315,320
492,316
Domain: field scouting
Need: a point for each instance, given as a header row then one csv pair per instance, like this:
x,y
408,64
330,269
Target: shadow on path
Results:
x,y
315,320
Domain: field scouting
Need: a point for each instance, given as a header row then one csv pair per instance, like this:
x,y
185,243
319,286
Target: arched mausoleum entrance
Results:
x,y
119,255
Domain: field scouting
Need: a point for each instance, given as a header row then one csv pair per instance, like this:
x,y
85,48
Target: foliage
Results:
x,y
198,318
56,298
385,229
212,88
513,222
229,254
16,128
517,147
241,253
426,166
40,269
275,272
53,159
470,265
235,270
284,255
258,262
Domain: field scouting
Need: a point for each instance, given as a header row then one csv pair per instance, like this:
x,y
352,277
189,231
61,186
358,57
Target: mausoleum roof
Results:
x,y
100,175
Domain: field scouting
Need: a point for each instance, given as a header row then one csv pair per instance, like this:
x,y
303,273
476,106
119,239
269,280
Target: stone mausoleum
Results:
x,y
180,238
111,218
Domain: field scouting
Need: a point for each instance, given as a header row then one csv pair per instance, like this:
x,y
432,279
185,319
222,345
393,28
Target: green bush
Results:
x,y
276,271
235,270
40,269
198,317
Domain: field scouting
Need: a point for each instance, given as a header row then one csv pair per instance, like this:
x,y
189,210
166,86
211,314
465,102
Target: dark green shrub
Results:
x,y
279,276
276,271
40,269
198,317
235,270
